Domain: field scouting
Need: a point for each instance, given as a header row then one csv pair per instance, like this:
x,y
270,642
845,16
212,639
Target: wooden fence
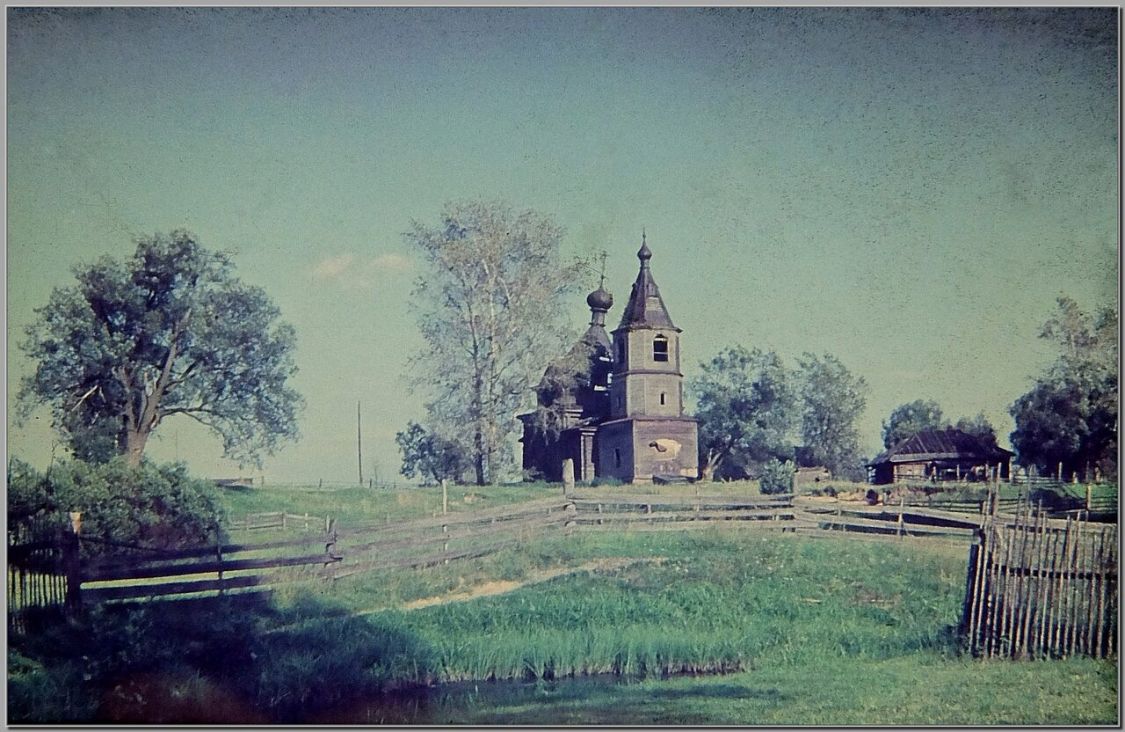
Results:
x,y
649,512
46,573
280,520
1038,587
445,538
42,554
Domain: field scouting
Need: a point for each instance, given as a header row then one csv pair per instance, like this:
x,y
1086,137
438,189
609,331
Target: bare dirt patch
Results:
x,y
502,587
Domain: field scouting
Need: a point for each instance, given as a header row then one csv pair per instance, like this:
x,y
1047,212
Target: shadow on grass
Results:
x,y
242,659
594,700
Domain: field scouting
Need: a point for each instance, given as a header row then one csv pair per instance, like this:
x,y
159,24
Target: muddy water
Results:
x,y
483,702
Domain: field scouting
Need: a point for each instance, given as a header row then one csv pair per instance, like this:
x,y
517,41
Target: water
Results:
x,y
477,702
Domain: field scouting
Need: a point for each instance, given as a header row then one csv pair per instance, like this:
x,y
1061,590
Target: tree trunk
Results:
x,y
479,457
135,446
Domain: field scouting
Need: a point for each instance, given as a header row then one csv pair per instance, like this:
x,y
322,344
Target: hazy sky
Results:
x,y
909,190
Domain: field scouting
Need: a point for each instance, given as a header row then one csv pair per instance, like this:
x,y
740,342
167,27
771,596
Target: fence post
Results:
x,y
444,497
73,564
1089,495
567,475
901,508
219,555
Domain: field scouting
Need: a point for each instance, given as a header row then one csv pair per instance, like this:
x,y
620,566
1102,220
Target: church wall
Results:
x,y
639,351
644,392
615,450
679,436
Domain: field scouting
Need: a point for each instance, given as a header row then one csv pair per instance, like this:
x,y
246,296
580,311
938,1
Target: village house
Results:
x,y
615,405
940,455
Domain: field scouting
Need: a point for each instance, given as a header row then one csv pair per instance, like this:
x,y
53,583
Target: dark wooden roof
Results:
x,y
645,308
947,444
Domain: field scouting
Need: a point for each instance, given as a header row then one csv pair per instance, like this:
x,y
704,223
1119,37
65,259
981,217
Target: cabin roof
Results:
x,y
941,445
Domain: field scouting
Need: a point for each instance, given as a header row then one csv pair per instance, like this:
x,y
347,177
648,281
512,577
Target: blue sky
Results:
x,y
909,190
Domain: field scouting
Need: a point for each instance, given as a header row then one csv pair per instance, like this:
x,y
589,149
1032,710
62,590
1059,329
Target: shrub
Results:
x,y
777,477
158,506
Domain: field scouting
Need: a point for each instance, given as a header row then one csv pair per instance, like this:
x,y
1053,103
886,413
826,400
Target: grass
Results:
x,y
804,630
359,506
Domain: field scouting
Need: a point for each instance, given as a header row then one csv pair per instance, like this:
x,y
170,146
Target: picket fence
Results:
x,y
1038,587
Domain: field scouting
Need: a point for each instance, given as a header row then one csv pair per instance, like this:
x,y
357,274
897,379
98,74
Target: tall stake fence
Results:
x,y
1041,588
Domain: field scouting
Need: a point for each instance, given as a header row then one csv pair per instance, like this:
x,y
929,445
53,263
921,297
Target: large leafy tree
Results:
x,y
746,404
171,331
980,427
430,456
907,419
1070,414
832,401
489,309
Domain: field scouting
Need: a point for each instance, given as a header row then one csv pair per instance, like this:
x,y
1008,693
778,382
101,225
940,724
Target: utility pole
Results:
x,y
359,440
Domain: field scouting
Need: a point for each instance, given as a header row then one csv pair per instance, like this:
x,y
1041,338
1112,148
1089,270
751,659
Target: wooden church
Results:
x,y
614,404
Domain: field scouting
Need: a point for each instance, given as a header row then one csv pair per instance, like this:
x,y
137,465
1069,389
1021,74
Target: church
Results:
x,y
614,404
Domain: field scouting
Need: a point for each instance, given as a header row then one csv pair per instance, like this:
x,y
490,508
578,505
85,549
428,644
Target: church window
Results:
x,y
659,348
662,398
617,457
621,353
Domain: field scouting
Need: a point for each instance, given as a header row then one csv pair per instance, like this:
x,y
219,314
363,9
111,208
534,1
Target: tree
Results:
x,y
832,400
1070,414
170,331
979,427
157,506
747,409
430,456
908,419
490,314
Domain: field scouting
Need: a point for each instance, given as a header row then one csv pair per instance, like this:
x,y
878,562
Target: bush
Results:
x,y
157,506
777,477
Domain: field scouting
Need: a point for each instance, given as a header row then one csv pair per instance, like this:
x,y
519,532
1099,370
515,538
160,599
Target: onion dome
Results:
x,y
599,299
644,254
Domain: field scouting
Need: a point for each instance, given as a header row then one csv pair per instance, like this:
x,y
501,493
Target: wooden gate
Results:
x,y
1040,587
42,566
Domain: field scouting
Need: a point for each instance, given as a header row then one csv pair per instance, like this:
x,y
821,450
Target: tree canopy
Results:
x,y
490,311
1070,415
747,409
171,331
908,419
832,401
430,456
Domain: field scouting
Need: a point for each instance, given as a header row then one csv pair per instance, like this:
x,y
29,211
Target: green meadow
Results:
x,y
716,626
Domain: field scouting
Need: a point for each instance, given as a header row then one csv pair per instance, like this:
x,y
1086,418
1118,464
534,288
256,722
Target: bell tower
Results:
x,y
647,433
646,376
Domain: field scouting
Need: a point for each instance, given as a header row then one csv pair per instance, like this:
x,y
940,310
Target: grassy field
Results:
x,y
362,506
804,630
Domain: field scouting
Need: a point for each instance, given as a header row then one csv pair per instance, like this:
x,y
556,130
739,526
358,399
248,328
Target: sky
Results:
x,y
909,190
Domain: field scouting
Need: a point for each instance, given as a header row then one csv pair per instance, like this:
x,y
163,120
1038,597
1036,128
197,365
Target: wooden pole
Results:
x,y
359,440
1072,590
444,497
1041,607
568,475
72,563
219,552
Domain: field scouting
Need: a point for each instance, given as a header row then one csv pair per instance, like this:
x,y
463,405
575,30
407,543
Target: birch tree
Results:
x,y
490,311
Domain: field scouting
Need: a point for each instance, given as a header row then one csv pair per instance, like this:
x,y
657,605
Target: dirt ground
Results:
x,y
501,587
